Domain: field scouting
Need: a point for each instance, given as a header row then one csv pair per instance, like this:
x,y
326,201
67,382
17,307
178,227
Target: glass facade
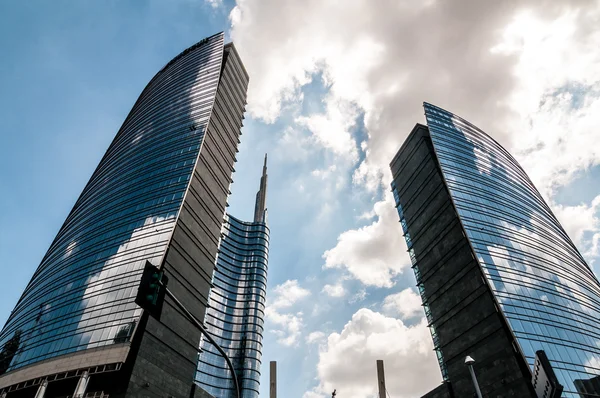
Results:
x,y
82,294
236,312
546,291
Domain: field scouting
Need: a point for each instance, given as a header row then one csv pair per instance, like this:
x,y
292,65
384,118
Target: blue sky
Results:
x,y
331,100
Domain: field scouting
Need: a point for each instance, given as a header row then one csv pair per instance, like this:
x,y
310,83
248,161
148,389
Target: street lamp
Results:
x,y
469,362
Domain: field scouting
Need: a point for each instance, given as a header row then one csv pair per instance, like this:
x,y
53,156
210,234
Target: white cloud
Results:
x,y
557,98
293,145
289,324
315,337
324,173
361,295
373,254
528,73
287,294
594,249
332,128
336,290
347,361
406,304
578,219
214,3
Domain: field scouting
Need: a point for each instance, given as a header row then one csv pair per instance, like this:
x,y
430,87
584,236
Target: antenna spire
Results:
x,y
260,208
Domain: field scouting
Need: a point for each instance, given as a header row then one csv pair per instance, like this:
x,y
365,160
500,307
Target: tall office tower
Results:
x,y
237,304
158,195
499,277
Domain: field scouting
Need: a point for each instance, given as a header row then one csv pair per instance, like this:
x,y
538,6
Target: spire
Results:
x,y
260,208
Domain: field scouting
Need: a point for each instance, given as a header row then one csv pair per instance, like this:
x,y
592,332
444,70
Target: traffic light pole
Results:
x,y
209,337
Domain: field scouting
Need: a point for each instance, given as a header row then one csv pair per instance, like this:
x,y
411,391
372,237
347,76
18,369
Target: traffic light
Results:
x,y
152,289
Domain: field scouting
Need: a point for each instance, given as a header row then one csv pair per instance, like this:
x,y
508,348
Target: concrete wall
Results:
x,y
442,391
463,310
200,393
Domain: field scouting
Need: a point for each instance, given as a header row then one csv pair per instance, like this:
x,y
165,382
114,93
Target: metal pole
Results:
x,y
381,378
475,384
273,376
42,389
210,339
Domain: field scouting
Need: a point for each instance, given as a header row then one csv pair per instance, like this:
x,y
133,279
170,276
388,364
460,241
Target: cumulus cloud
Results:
x,y
373,254
384,69
361,295
336,290
287,294
526,72
288,324
293,145
580,220
557,98
315,337
347,360
406,304
332,128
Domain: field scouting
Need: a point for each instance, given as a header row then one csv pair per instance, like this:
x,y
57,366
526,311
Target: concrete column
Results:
x,y
42,389
380,378
82,385
273,385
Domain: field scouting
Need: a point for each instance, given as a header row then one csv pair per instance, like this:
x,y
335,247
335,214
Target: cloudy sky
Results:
x,y
335,87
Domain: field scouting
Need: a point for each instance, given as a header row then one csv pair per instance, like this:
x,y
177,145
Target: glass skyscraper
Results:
x,y
158,195
480,234
237,304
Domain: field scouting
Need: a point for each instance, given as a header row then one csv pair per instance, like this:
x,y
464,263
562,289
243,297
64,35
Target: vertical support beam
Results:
x,y
82,385
42,389
380,379
273,384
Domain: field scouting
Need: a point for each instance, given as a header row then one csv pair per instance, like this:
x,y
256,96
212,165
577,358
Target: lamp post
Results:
x,y
469,362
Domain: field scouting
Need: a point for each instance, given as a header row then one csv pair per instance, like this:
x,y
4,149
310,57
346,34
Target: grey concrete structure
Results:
x,y
159,194
273,379
381,379
444,390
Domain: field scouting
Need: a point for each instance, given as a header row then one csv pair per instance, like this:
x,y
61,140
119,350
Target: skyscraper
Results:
x,y
237,304
158,195
499,277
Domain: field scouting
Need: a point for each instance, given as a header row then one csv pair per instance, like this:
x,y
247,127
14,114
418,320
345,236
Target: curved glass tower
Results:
x,y
170,161
548,297
547,292
237,304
